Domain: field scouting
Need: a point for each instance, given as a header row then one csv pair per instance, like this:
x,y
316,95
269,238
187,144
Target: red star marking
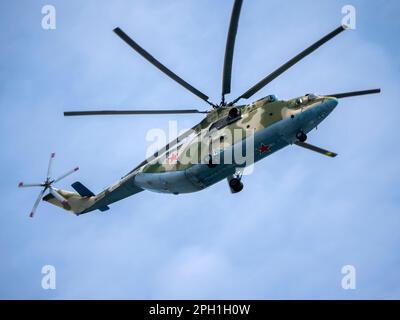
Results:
x,y
173,157
263,148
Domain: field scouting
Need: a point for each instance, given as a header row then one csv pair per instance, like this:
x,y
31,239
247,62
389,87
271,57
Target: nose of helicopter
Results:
x,y
327,105
331,102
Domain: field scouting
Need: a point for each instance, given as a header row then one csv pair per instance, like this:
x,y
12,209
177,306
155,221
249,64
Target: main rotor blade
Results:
x,y
316,149
66,174
289,64
160,66
28,185
58,196
50,165
37,203
230,46
130,112
353,94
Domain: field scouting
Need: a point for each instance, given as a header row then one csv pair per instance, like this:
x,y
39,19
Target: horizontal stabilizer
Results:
x,y
85,192
82,190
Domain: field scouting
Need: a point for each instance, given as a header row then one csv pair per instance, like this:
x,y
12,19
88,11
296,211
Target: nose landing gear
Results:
x,y
301,136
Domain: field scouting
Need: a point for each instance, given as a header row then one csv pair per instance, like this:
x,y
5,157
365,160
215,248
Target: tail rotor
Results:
x,y
47,185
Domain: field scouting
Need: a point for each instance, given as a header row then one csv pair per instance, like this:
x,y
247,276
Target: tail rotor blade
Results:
x,y
29,185
50,165
353,93
66,174
58,196
37,203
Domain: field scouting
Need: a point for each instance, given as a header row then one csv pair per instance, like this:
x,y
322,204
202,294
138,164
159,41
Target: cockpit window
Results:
x,y
299,101
312,96
272,98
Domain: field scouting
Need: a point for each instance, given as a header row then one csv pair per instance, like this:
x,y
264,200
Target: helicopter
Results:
x,y
198,158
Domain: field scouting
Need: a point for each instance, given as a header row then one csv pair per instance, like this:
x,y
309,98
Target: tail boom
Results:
x,y
84,200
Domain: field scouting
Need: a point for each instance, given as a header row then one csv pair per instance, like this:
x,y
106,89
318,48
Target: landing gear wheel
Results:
x,y
301,136
236,185
210,163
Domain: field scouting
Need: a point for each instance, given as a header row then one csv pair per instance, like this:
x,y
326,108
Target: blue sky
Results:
x,y
301,216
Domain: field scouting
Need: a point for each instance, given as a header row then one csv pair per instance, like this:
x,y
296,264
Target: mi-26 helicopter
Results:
x,y
269,123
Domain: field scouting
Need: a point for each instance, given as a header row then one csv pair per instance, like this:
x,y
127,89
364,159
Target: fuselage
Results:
x,y
228,139
230,144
